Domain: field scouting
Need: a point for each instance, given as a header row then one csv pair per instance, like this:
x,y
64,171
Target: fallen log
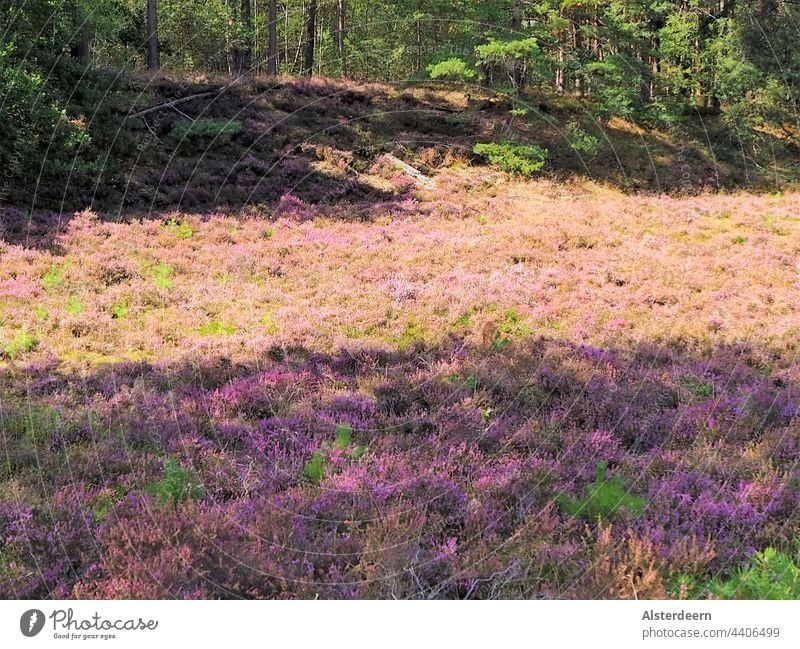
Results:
x,y
406,168
181,100
173,103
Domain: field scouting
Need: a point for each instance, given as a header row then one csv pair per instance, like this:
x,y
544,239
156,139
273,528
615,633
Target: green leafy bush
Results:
x,y
522,159
453,69
180,229
581,142
163,274
74,306
53,278
605,498
315,469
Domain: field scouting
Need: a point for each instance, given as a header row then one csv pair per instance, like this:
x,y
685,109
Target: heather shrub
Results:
x,y
446,470
515,158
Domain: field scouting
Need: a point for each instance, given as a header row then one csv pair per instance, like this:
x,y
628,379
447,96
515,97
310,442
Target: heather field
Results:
x,y
478,388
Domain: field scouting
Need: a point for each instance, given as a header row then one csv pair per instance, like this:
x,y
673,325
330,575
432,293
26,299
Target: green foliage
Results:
x,y
616,80
453,69
74,306
412,334
22,342
53,278
217,328
583,143
344,435
38,135
180,229
270,326
772,575
121,309
700,388
605,498
315,469
163,274
318,466
177,485
201,133
498,51
522,159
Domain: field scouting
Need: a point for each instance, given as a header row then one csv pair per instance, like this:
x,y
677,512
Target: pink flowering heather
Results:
x,y
486,389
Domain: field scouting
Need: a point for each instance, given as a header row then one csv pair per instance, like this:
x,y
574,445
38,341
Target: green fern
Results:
x,y
177,485
605,498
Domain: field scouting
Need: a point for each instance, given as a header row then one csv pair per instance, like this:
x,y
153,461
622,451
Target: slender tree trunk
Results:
x,y
418,64
577,45
82,51
560,70
311,38
341,32
153,58
245,53
272,39
517,74
81,47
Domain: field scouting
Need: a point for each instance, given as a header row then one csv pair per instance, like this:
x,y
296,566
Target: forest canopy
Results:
x,y
648,61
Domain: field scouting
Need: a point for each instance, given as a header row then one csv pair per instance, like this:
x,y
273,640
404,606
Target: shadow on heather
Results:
x,y
446,471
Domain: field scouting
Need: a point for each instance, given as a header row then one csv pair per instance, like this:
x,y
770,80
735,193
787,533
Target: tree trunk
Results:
x,y
153,58
272,39
560,70
245,51
341,32
311,38
82,51
517,74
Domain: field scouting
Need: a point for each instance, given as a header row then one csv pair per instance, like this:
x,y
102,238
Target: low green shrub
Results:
x,y
453,69
772,575
515,158
605,498
202,133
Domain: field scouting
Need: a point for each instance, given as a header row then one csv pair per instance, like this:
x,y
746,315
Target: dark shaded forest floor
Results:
x,y
319,139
